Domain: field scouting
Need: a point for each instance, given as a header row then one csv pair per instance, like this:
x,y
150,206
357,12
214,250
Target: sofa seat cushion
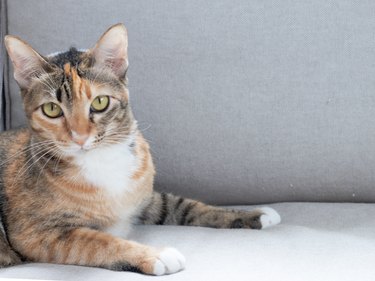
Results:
x,y
315,241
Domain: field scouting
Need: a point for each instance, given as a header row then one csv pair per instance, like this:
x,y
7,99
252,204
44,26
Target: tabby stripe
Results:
x,y
124,266
65,233
179,202
186,212
66,90
58,94
164,209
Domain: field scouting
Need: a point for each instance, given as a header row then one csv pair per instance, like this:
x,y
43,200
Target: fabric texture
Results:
x,y
4,92
315,241
242,101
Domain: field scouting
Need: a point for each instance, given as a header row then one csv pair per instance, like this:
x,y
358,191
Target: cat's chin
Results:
x,y
76,150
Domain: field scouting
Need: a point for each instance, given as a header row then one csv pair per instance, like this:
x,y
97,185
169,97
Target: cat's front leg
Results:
x,y
7,256
169,209
88,247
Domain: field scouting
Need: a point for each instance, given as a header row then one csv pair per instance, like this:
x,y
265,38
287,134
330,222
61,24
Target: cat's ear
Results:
x,y
27,63
112,50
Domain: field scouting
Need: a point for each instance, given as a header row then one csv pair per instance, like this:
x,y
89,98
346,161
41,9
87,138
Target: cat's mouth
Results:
x,y
75,149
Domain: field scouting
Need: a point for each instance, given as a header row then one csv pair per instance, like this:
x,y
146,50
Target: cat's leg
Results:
x,y
88,247
165,208
7,256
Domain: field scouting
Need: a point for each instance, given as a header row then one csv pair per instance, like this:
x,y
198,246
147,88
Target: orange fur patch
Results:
x,y
45,124
87,89
144,164
67,69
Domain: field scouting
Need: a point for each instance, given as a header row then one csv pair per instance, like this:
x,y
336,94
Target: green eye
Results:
x,y
52,110
100,104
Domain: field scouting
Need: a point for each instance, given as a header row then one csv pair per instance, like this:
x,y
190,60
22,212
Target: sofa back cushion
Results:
x,y
242,101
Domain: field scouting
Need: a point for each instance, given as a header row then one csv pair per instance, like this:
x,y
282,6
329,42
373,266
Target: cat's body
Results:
x,y
81,174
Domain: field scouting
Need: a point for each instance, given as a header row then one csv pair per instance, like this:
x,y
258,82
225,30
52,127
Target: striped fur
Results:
x,y
72,186
168,209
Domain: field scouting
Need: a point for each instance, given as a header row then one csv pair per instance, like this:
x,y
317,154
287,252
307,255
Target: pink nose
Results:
x,y
79,139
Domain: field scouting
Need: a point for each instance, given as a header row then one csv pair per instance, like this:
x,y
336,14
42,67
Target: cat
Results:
x,y
80,174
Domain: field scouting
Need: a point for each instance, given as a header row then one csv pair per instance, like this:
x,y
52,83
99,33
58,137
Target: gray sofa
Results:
x,y
244,103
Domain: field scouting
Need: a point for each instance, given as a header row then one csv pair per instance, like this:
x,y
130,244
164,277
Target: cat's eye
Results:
x,y
100,104
52,110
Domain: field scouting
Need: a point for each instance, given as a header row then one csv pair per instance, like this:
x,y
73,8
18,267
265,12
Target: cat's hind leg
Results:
x,y
165,208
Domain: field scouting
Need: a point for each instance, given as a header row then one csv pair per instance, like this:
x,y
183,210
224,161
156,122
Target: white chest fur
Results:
x,y
109,168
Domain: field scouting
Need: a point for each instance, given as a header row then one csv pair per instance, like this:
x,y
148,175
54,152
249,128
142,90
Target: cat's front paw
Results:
x,y
151,261
169,261
269,217
9,258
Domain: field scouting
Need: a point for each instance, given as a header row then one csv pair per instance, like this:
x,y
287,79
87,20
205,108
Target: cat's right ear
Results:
x,y
27,63
111,51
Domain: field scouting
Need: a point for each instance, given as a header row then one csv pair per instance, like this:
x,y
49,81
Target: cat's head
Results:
x,y
77,99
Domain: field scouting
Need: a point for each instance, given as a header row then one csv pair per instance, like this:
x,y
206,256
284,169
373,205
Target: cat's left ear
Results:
x,y
28,64
112,50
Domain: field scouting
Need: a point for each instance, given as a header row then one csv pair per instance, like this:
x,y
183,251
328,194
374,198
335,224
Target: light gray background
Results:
x,y
242,101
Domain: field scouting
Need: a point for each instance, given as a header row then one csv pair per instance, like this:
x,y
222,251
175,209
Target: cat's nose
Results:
x,y
79,139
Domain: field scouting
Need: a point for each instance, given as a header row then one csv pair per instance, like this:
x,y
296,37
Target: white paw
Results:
x,y
269,218
169,261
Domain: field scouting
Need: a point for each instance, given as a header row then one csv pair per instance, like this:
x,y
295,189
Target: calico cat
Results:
x,y
73,182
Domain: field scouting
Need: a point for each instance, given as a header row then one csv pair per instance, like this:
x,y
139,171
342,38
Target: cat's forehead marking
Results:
x,y
80,86
87,90
72,56
67,69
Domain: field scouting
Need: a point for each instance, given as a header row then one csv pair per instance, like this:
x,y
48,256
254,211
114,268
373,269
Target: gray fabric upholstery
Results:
x,y
315,241
2,57
4,93
242,101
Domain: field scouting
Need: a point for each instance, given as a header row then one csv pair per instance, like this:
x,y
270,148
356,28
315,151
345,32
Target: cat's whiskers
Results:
x,y
125,127
145,129
24,150
119,136
38,151
50,150
118,140
112,142
49,159
57,162
42,151
113,134
117,131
